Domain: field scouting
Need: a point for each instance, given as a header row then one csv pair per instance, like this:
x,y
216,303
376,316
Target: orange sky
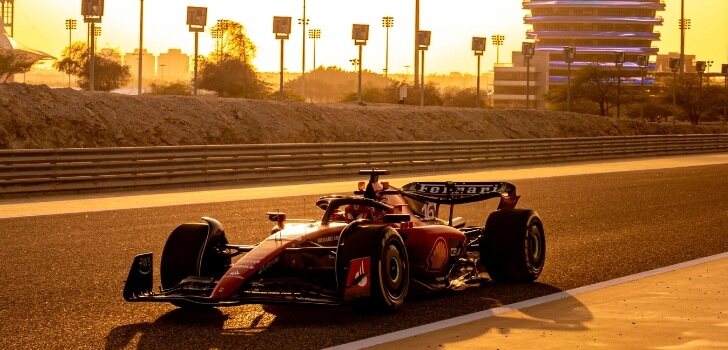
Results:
x,y
40,25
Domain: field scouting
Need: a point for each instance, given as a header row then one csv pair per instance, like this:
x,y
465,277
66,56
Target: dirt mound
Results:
x,y
40,117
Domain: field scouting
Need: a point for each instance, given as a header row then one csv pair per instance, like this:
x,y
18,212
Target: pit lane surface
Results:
x,y
61,275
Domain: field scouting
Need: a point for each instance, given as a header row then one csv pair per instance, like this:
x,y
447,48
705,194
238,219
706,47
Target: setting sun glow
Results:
x,y
40,25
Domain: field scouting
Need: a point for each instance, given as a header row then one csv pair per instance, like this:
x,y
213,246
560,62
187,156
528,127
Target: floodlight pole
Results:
x,y
568,86
568,54
422,78
498,42
141,46
70,26
724,70
528,50
528,82
280,84
314,34
387,22
674,88
359,84
477,88
92,74
417,29
303,21
197,44
682,36
70,42
619,86
478,48
282,31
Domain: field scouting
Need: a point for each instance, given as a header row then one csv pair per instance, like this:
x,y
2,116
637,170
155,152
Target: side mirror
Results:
x,y
278,218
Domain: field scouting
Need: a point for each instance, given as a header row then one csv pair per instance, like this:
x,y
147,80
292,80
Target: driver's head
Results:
x,y
355,212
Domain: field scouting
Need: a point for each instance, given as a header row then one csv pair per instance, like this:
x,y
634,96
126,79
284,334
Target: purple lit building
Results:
x,y
598,29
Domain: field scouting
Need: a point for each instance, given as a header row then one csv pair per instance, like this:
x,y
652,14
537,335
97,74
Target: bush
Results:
x,y
170,88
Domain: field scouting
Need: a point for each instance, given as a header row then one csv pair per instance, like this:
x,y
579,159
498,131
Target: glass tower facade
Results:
x,y
598,29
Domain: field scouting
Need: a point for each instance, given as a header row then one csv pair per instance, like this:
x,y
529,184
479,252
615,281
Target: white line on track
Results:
x,y
435,326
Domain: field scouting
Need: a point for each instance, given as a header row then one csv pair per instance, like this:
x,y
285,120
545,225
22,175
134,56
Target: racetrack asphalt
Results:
x,y
62,275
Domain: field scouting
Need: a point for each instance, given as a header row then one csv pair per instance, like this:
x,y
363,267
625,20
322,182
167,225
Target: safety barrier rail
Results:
x,y
27,171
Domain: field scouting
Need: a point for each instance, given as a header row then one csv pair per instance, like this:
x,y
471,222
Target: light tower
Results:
x,y
92,11
387,22
478,47
314,34
360,35
498,40
70,27
196,22
282,30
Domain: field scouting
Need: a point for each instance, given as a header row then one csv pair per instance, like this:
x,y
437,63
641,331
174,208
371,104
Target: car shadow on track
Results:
x,y
174,330
275,326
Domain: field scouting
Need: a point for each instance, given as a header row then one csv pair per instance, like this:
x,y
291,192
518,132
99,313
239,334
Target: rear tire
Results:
x,y
513,246
181,255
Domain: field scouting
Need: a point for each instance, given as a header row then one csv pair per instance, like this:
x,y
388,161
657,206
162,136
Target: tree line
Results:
x,y
229,72
594,91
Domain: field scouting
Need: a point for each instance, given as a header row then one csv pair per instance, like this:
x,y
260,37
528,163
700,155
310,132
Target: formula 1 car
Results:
x,y
368,250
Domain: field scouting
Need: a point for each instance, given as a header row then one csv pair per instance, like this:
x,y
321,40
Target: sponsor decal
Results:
x,y
455,245
333,238
471,189
358,279
144,265
438,255
268,265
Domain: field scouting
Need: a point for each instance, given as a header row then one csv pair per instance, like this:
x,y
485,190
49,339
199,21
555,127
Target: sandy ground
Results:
x,y
34,116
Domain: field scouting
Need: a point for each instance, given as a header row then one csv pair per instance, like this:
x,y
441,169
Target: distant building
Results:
x,y
662,63
598,29
173,66
148,64
509,84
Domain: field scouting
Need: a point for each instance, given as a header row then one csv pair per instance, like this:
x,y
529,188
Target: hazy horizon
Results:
x,y
40,25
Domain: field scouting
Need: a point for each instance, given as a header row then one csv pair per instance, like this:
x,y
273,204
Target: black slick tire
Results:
x,y
390,271
181,256
513,246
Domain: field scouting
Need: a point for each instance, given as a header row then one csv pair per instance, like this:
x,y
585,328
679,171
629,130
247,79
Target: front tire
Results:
x,y
185,247
390,272
389,266
513,246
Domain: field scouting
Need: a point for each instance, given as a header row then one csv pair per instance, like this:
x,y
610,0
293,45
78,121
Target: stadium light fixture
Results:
x,y
423,43
387,22
196,21
478,47
360,35
528,49
569,55
92,11
497,40
282,30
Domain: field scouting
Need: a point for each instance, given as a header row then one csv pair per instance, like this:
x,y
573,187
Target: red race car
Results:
x,y
367,250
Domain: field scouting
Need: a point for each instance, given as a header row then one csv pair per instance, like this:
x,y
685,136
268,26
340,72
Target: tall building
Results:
x,y
598,29
7,11
509,84
173,66
662,62
148,63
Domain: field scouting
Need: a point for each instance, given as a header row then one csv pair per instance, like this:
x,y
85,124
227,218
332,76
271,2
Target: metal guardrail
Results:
x,y
29,171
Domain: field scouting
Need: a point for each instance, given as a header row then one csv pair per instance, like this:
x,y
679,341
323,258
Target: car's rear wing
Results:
x,y
450,193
